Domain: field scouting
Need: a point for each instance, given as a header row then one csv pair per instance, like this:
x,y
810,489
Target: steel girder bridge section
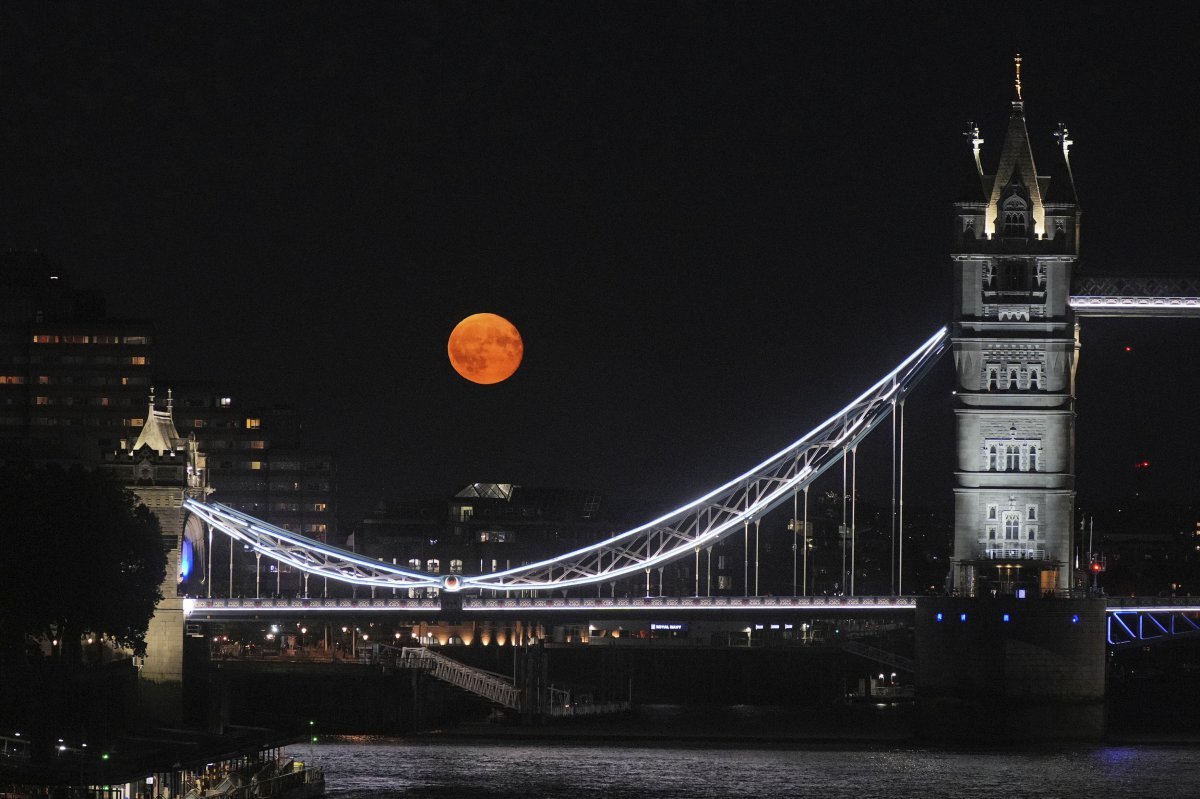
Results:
x,y
1127,628
1097,295
681,533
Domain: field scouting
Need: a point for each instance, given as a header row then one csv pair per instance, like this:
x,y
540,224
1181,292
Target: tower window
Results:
x,y
1033,457
993,458
1012,526
1012,380
1016,216
1033,379
1014,223
1012,458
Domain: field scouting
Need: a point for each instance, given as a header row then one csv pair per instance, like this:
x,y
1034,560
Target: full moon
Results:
x,y
485,348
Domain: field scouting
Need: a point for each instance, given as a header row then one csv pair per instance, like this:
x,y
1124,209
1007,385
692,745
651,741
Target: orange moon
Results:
x,y
485,348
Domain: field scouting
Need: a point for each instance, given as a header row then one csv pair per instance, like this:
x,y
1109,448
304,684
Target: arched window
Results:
x,y
1033,379
1012,379
993,379
993,458
1012,458
1033,466
433,565
1012,526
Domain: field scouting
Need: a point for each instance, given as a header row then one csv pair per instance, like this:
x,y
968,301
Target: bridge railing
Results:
x,y
1015,553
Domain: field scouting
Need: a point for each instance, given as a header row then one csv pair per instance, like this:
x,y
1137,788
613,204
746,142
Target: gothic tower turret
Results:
x,y
1015,350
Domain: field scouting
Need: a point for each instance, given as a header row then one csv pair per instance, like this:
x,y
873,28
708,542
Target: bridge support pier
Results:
x,y
1010,670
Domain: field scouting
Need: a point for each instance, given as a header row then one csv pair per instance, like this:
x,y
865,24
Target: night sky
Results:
x,y
714,224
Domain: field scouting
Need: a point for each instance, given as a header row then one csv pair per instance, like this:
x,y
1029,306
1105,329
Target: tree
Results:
x,y
78,554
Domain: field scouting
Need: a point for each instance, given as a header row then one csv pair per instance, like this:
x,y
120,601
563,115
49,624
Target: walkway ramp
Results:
x,y
898,662
490,686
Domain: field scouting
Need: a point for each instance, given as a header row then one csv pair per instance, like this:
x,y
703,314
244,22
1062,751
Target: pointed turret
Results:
x,y
1015,196
159,433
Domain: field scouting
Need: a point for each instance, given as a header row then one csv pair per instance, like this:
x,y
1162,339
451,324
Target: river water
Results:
x,y
380,767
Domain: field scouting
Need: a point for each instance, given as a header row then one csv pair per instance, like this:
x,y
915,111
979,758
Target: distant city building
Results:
x,y
484,528
258,461
75,386
73,382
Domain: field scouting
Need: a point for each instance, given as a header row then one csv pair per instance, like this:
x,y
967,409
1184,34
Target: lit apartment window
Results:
x,y
135,422
465,513
255,465
124,381
258,444
198,423
253,424
105,340
43,379
44,339
320,506
13,380
318,528
74,339
456,566
137,360
414,563
41,401
225,402
137,339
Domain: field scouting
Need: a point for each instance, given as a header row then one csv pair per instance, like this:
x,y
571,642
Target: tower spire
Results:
x,y
1017,82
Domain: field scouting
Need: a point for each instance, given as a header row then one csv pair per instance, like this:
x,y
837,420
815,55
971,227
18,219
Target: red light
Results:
x,y
1096,567
1129,349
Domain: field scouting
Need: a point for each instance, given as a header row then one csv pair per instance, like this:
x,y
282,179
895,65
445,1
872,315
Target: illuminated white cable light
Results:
x,y
903,376
840,432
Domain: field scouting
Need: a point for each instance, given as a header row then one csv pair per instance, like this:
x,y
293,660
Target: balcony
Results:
x,y
1014,553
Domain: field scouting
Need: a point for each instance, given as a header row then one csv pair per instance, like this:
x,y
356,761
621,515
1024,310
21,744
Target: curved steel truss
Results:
x,y
306,554
678,534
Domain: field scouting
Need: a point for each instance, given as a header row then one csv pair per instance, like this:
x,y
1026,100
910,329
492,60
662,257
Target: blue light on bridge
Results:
x,y
962,617
1007,618
940,617
185,560
1075,619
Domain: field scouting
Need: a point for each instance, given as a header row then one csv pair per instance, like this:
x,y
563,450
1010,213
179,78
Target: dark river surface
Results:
x,y
382,767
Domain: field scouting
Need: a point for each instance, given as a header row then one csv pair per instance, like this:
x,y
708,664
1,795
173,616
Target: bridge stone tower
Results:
x,y
163,469
1016,346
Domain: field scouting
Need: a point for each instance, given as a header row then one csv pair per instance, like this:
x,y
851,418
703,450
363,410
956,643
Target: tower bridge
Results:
x,y
1020,296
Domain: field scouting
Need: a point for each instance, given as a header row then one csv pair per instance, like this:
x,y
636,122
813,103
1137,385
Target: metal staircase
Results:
x,y
490,686
898,662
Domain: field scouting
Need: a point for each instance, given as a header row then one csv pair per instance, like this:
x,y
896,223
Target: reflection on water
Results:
x,y
364,767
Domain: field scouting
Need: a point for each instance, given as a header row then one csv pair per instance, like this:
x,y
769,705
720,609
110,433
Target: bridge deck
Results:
x,y
241,606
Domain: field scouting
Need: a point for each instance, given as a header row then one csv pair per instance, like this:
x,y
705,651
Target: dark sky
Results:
x,y
714,224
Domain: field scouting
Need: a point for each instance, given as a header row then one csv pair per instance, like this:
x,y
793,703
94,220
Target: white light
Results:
x,y
270,540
